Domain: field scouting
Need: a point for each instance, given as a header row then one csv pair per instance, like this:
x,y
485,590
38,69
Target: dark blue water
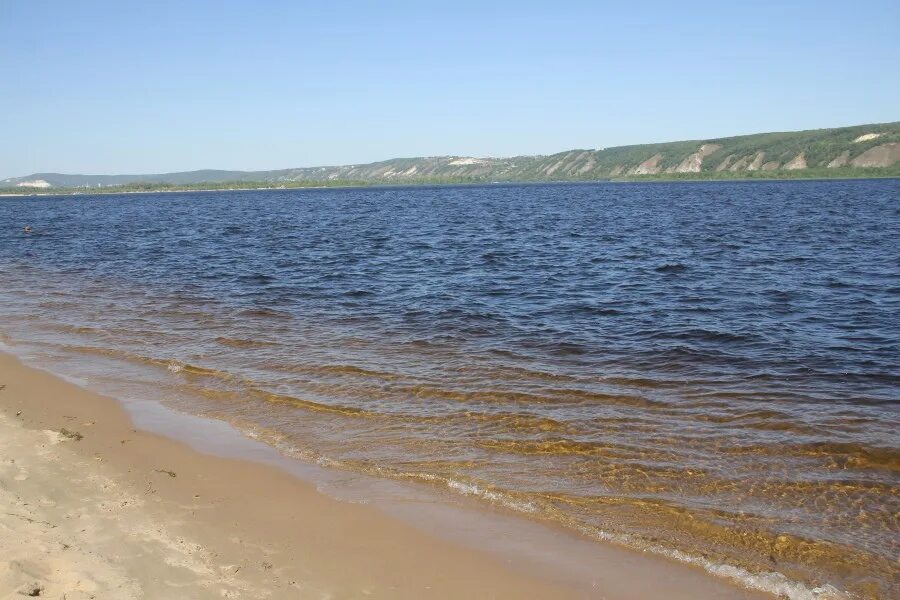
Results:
x,y
703,367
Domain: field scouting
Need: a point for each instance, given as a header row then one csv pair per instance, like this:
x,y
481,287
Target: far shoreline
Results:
x,y
385,185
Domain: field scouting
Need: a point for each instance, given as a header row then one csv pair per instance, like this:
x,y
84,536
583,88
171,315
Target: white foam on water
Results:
x,y
769,582
471,489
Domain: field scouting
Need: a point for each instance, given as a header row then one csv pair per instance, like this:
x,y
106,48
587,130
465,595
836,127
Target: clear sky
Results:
x,y
142,87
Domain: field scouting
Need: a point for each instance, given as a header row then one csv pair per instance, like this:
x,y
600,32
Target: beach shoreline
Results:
x,y
97,507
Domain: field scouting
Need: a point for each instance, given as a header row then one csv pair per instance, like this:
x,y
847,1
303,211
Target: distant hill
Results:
x,y
862,150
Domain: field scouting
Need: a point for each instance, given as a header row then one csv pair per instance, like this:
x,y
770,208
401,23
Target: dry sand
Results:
x,y
91,507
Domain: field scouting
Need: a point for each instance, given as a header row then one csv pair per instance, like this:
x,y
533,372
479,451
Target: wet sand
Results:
x,y
95,508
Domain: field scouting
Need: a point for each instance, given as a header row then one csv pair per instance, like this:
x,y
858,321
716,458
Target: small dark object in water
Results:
x,y
27,229
671,268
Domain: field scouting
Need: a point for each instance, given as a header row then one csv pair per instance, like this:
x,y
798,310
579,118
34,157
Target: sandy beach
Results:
x,y
95,508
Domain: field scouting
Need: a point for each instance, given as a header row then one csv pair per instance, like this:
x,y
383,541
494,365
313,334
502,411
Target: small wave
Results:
x,y
175,366
243,343
80,329
354,370
639,382
594,310
265,313
113,353
171,365
257,279
671,268
703,335
845,455
597,397
358,293
550,396
855,455
527,374
762,416
769,582
310,405
337,369
516,421
482,491
557,447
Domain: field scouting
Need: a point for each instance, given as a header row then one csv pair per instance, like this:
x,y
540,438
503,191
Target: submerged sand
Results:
x,y
94,508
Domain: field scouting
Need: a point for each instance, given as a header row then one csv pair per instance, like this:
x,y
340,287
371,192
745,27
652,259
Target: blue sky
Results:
x,y
131,87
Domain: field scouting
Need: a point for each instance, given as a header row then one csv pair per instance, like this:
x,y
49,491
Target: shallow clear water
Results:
x,y
709,369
